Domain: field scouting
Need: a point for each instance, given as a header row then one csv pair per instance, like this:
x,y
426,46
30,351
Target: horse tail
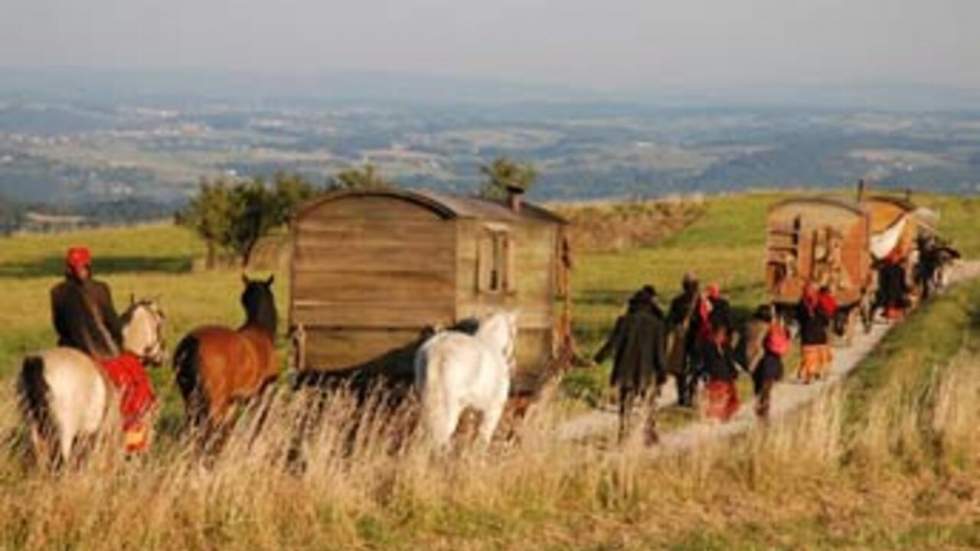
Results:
x,y
34,392
187,365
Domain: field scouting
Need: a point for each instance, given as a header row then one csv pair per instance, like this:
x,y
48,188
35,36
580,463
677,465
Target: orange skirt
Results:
x,y
826,359
812,358
722,400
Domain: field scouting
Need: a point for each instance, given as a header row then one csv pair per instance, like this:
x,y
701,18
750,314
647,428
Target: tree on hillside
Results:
x,y
233,216
504,173
209,215
366,177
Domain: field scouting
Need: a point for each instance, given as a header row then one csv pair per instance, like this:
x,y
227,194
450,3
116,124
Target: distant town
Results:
x,y
143,155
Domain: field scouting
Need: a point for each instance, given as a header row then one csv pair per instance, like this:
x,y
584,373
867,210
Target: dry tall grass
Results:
x,y
914,458
616,226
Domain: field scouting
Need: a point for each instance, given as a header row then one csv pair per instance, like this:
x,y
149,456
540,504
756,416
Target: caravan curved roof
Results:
x,y
445,205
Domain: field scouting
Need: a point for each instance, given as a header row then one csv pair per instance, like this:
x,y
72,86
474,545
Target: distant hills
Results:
x,y
79,138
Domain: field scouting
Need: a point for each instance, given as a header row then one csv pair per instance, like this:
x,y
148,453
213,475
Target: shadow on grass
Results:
x,y
54,266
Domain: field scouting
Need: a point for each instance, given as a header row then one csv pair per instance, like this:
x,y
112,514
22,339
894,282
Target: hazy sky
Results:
x,y
611,44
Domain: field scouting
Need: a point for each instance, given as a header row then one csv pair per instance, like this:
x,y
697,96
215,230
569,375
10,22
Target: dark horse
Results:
x,y
218,366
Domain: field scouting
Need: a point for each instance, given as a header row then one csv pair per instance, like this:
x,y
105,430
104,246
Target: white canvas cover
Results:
x,y
884,242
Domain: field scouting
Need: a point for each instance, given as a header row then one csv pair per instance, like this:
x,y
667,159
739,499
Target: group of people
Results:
x,y
696,342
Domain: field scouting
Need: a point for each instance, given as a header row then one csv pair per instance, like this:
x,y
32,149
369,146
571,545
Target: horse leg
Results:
x,y
491,417
43,453
442,427
219,425
267,395
66,441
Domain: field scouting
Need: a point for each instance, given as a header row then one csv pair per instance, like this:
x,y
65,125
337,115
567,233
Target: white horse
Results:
x,y
454,371
65,395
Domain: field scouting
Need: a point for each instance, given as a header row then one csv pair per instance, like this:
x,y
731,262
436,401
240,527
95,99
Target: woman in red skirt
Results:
x,y
718,367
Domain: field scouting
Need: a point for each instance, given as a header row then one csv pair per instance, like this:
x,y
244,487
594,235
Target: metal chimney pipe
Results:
x,y
514,198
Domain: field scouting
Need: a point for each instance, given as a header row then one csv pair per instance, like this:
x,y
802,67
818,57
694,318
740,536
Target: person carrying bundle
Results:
x,y
683,353
814,313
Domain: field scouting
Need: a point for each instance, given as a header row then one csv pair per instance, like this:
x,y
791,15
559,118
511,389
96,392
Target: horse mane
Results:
x,y
260,307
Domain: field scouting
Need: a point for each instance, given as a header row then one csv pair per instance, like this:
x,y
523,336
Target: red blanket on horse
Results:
x,y
137,397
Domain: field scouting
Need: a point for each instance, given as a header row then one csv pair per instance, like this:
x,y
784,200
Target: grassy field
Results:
x,y
891,461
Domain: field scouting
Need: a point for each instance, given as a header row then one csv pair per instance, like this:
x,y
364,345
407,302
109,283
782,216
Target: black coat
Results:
x,y
892,287
637,345
813,324
718,362
721,314
76,319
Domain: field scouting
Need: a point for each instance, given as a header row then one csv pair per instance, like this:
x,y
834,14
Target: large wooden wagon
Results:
x,y
372,270
821,240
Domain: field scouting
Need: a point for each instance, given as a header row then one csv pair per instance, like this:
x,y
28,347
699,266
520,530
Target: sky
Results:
x,y
601,45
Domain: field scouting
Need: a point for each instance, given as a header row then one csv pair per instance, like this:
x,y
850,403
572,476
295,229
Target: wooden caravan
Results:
x,y
818,239
371,270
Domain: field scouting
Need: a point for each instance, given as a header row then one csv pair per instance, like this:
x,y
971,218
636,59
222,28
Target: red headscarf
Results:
x,y
78,257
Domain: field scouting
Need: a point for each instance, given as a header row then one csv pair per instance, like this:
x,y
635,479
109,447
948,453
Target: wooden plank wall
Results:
x,y
814,217
535,259
369,273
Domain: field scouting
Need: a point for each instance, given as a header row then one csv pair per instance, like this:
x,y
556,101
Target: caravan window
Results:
x,y
495,261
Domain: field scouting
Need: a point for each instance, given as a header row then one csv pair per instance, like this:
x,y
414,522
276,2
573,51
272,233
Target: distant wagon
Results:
x,y
823,240
372,270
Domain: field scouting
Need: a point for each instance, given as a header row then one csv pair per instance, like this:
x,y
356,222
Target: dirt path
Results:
x,y
787,396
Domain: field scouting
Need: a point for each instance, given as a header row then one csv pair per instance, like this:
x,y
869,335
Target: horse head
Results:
x,y
142,330
260,304
499,330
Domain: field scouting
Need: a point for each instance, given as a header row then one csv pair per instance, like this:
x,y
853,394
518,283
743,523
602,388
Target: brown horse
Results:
x,y
217,367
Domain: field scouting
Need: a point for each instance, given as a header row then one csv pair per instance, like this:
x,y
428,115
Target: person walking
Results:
x,y
637,346
893,287
769,369
683,353
813,322
720,373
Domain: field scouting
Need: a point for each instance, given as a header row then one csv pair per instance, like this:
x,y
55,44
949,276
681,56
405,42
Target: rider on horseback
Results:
x,y
85,319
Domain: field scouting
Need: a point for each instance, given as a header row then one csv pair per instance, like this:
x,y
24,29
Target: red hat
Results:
x,y
78,257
